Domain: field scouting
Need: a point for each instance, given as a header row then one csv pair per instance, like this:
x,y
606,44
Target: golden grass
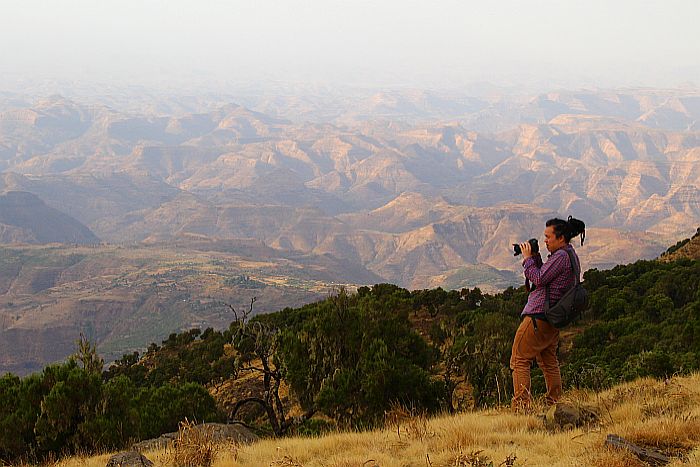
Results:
x,y
193,447
664,415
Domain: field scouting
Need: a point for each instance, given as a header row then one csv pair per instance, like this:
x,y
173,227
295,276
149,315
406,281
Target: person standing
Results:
x,y
536,339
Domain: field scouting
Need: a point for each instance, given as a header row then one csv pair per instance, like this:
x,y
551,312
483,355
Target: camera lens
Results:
x,y
534,245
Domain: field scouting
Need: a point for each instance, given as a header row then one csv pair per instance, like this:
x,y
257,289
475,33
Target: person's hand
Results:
x,y
527,250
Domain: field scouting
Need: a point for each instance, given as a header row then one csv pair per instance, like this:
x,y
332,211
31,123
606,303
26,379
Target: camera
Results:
x,y
533,243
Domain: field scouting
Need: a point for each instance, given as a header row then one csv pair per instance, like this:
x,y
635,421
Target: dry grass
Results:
x,y
410,424
194,447
614,458
664,415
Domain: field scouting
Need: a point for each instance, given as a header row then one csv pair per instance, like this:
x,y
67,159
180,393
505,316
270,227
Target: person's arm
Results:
x,y
554,266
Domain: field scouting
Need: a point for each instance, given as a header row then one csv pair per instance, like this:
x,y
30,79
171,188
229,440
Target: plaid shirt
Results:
x,y
555,273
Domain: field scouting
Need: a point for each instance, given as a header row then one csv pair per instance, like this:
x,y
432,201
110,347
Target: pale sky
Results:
x,y
393,42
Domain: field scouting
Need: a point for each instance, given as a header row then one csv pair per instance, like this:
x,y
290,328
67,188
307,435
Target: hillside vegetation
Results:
x,y
343,362
687,248
663,415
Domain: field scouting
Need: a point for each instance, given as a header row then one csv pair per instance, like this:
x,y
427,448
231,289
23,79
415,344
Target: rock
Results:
x,y
648,455
129,459
562,414
229,432
219,432
567,416
162,442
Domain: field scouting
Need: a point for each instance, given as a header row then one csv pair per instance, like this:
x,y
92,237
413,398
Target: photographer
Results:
x,y
535,338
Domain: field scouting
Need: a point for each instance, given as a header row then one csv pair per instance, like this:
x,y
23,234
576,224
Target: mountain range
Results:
x,y
421,189
393,196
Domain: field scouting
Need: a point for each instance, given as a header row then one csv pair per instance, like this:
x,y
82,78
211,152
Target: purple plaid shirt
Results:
x,y
556,273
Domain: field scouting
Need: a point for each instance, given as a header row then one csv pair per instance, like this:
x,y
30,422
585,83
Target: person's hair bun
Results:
x,y
576,227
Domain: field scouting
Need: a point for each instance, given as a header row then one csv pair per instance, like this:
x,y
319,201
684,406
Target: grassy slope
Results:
x,y
691,250
660,414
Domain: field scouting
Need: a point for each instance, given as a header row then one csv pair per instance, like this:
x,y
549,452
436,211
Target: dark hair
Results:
x,y
568,228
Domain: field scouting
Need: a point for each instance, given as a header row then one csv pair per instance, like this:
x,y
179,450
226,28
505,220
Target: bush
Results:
x,y
652,363
355,355
66,409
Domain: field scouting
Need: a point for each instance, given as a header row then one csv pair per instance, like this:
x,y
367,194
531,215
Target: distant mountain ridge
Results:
x,y
24,218
412,199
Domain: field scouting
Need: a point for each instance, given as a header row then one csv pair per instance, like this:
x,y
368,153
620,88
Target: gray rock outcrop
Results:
x,y
129,459
219,432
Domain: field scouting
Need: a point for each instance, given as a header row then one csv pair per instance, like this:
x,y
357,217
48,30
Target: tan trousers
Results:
x,y
535,344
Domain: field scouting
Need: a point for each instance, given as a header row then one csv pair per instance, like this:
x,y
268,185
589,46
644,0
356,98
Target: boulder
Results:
x,y
129,459
567,416
162,442
229,432
219,432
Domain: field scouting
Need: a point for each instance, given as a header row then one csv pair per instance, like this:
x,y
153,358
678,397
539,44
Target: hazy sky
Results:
x,y
394,42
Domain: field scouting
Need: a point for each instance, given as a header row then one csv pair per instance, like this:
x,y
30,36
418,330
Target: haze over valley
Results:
x,y
244,233
296,195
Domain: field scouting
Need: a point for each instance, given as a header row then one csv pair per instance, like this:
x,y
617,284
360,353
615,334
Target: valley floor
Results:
x,y
663,415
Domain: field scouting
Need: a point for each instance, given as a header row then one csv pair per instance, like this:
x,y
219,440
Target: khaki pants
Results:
x,y
535,344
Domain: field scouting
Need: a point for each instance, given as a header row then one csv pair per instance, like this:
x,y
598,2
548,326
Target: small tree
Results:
x,y
71,401
352,357
86,354
484,347
452,356
18,413
257,345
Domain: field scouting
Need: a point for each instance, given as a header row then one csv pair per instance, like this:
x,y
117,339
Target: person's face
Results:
x,y
552,241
